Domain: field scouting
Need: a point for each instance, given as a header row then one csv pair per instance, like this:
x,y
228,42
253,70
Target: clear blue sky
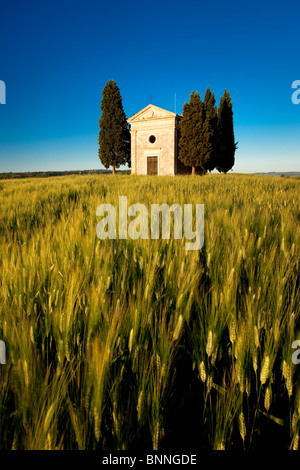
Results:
x,y
56,56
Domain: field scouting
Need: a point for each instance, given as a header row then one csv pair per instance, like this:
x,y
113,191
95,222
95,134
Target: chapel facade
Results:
x,y
154,142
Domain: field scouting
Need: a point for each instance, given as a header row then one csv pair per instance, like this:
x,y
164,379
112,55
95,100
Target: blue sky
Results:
x,y
56,56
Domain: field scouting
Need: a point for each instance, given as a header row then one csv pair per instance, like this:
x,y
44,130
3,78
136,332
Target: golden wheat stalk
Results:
x,y
209,344
140,406
268,398
178,328
265,370
202,371
242,426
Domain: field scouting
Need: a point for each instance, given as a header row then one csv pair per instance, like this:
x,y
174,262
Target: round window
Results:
x,y
152,139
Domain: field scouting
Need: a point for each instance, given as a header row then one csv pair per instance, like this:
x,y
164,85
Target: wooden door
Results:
x,y
152,165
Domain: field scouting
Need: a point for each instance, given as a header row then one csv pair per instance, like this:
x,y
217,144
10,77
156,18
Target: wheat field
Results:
x,y
140,344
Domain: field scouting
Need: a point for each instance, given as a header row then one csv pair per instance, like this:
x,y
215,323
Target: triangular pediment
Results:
x,y
151,112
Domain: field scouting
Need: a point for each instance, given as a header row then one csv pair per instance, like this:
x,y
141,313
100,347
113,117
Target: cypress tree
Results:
x,y
226,146
210,131
114,136
191,132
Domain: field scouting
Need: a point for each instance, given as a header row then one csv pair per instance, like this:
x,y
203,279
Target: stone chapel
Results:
x,y
154,142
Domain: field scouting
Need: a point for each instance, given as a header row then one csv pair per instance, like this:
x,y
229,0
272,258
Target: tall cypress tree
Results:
x,y
191,147
114,136
210,131
226,146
